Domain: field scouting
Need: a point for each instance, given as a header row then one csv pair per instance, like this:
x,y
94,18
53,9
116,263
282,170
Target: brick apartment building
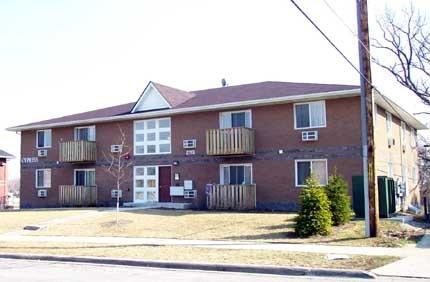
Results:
x,y
4,156
264,138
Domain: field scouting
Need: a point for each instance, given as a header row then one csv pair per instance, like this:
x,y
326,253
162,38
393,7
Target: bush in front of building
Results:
x,y
314,216
340,202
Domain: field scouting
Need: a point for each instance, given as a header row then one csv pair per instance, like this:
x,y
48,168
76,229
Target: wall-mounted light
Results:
x,y
175,163
177,177
280,151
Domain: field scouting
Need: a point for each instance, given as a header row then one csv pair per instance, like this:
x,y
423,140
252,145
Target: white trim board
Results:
x,y
151,99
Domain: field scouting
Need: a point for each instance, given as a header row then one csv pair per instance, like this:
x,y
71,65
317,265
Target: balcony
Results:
x,y
78,151
230,141
77,196
231,197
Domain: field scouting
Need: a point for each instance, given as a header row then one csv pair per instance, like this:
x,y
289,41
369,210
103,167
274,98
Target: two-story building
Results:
x,y
256,143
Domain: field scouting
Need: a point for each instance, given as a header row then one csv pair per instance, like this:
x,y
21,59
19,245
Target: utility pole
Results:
x,y
367,132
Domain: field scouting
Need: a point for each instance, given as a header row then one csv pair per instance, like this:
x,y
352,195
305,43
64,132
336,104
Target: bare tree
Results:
x,y
405,41
118,160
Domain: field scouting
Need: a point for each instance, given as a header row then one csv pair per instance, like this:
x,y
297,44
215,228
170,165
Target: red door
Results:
x,y
164,183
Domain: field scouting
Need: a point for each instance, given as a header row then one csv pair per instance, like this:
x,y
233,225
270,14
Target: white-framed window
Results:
x,y
152,136
43,138
390,169
84,177
306,168
43,178
309,115
235,119
405,177
403,133
389,118
413,137
234,174
146,183
87,133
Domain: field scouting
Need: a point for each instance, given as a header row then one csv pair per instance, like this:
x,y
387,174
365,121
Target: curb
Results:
x,y
257,269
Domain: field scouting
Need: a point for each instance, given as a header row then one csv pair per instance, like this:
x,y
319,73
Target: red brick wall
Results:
x,y
273,173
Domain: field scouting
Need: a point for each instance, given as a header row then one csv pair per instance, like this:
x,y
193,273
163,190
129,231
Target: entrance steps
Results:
x,y
159,205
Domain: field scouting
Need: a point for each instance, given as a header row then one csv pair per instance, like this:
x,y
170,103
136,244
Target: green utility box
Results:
x,y
386,195
358,196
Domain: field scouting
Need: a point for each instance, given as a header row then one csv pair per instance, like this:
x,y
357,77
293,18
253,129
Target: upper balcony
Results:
x,y
230,141
78,151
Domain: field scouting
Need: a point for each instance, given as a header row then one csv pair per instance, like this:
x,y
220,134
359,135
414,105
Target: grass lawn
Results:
x,y
189,254
254,226
17,219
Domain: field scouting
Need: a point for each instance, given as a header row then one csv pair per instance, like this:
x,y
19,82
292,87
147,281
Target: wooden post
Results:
x,y
372,219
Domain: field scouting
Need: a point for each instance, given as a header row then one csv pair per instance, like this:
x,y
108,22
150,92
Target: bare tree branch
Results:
x,y
406,43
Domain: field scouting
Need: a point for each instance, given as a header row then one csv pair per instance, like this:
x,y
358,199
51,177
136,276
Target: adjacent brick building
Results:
x,y
268,136
4,156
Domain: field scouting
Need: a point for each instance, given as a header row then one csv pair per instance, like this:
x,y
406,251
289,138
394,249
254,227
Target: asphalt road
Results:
x,y
35,271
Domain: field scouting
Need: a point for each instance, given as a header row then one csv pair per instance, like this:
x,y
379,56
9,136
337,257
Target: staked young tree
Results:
x,y
117,163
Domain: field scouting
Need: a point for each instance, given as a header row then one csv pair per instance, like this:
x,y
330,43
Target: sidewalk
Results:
x,y
237,245
417,265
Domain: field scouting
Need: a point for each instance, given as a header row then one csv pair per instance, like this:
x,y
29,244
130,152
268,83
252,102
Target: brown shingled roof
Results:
x,y
182,99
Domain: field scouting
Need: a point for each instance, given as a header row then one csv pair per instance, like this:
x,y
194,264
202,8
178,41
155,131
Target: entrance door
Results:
x,y
145,184
164,182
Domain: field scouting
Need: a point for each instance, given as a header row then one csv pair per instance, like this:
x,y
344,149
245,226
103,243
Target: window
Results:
x,y
413,137
43,138
43,178
236,174
403,133
309,115
152,137
235,119
390,169
389,125
87,133
85,177
405,177
304,169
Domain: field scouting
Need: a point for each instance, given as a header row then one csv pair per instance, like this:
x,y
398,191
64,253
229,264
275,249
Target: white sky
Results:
x,y
63,57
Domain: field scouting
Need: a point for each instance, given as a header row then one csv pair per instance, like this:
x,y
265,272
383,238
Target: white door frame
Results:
x,y
145,190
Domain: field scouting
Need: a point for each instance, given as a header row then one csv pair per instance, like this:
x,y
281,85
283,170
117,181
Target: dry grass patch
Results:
x,y
201,255
17,219
208,225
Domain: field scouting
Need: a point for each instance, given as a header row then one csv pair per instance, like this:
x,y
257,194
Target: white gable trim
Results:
x,y
149,90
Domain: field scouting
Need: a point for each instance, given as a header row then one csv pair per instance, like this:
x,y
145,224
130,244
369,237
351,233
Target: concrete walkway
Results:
x,y
236,245
416,265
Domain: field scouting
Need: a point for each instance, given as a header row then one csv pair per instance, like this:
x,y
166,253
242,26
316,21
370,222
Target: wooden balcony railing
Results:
x,y
230,141
78,151
77,196
231,197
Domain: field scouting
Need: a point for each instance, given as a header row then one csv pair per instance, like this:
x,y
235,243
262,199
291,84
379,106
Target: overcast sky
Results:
x,y
63,57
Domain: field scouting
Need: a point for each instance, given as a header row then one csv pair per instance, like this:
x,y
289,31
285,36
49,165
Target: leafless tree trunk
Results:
x,y
405,43
118,162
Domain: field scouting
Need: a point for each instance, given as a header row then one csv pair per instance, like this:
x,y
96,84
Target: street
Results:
x,y
34,271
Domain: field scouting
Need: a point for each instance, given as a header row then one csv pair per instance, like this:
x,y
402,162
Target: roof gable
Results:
x,y
151,99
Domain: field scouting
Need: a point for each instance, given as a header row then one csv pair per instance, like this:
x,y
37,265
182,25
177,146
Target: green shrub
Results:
x,y
314,216
340,202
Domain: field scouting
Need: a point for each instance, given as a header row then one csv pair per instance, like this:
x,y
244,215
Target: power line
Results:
x,y
343,55
329,40
354,34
